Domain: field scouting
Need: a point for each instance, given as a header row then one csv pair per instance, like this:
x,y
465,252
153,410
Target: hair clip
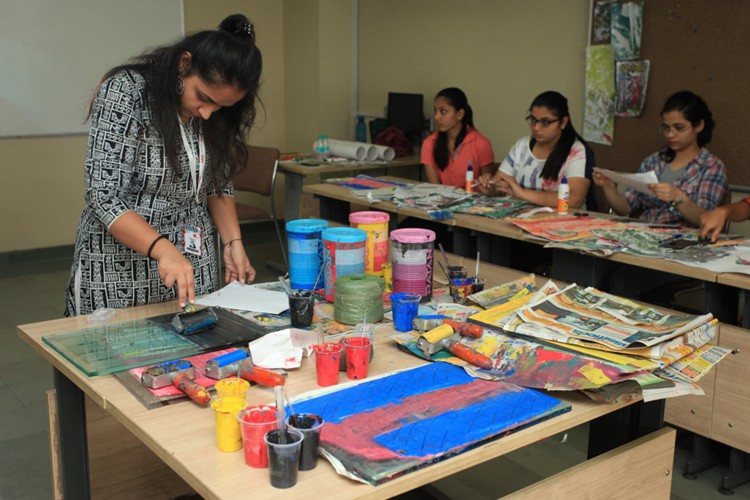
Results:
x,y
247,29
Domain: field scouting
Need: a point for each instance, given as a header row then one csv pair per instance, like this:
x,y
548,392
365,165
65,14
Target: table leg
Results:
x,y
71,410
292,193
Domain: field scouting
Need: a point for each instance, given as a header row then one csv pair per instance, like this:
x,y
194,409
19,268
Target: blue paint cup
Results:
x,y
405,306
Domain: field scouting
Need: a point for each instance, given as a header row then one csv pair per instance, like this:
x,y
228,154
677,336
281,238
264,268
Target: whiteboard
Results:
x,y
54,52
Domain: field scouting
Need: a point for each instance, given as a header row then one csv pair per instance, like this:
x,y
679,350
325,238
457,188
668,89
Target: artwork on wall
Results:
x,y
601,24
627,25
598,119
632,82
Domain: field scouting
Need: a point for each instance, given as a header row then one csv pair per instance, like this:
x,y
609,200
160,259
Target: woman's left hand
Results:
x,y
507,184
667,192
236,264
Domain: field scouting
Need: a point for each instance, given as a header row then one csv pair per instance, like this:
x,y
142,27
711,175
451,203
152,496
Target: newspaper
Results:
x,y
694,366
589,315
639,181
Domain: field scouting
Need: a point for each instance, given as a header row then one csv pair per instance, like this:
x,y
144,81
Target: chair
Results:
x,y
259,176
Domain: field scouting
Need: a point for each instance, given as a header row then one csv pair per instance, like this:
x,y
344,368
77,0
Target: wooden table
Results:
x,y
567,265
182,435
295,176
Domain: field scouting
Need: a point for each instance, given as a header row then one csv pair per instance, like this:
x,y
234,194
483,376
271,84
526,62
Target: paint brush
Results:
x,y
315,286
476,272
447,276
280,413
286,286
445,257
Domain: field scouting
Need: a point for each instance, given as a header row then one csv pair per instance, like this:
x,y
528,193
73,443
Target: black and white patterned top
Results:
x,y
126,169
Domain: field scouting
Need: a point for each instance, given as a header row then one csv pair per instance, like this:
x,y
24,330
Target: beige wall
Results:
x,y
502,53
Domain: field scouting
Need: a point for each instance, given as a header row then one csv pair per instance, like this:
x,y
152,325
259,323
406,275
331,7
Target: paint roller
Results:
x,y
448,338
191,320
240,363
181,374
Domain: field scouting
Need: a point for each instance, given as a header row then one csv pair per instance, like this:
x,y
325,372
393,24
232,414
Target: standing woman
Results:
x,y
448,152
537,163
166,137
691,179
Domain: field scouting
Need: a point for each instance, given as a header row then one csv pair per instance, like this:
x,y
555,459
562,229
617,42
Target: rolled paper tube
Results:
x,y
355,150
386,153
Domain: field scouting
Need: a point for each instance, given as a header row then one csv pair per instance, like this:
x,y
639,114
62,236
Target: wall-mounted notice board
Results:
x,y
53,54
697,45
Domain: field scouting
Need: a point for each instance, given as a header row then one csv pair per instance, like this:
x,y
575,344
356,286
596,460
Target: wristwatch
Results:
x,y
676,203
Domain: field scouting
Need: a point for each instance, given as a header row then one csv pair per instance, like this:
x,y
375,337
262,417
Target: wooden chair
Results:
x,y
259,176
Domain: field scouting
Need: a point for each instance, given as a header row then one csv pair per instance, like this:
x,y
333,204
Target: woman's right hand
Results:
x,y
602,180
713,222
175,269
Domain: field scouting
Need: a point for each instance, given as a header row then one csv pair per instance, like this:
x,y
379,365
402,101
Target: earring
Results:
x,y
180,86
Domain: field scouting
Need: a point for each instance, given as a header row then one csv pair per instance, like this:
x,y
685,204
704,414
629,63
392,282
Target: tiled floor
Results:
x,y
33,290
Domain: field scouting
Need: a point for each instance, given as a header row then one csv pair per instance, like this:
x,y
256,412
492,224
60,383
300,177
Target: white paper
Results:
x,y
276,350
639,181
246,298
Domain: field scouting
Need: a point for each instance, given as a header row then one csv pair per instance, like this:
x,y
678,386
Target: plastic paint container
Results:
x,y
228,435
412,260
305,251
343,254
375,224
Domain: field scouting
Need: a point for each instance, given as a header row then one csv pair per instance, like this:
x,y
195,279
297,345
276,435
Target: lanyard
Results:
x,y
196,167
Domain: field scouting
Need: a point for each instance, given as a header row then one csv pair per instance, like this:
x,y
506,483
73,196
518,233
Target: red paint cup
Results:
x,y
255,421
357,357
327,359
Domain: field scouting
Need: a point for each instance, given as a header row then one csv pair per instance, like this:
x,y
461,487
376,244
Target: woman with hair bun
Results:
x,y
167,136
692,181
455,144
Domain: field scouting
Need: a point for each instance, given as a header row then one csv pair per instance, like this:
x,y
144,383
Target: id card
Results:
x,y
193,239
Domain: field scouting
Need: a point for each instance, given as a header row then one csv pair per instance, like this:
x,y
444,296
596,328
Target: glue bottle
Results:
x,y
361,129
563,196
469,179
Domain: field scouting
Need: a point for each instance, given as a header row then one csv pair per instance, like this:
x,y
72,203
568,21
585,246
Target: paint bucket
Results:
x,y
375,224
343,254
305,251
412,260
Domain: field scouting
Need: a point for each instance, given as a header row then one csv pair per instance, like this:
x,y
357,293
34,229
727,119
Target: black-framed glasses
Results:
x,y
544,122
677,128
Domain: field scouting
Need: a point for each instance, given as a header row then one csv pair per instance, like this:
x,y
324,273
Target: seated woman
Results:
x,y
537,163
691,179
455,144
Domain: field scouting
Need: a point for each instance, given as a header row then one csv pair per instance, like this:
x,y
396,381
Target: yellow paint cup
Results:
x,y
232,387
228,435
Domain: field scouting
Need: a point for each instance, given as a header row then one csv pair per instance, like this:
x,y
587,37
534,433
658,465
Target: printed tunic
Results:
x,y
704,181
126,169
527,168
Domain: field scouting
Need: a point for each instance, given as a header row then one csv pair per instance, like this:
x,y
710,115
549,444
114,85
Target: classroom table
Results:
x,y
567,265
295,174
182,435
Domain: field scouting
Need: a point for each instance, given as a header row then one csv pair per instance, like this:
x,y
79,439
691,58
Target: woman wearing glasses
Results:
x,y
166,137
537,163
691,179
448,152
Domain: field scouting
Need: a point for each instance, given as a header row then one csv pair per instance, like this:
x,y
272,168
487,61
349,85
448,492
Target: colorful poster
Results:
x,y
632,82
599,119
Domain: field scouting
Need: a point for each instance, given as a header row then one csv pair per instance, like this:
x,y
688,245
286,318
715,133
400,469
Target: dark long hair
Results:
x,y
694,109
457,99
558,104
227,55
